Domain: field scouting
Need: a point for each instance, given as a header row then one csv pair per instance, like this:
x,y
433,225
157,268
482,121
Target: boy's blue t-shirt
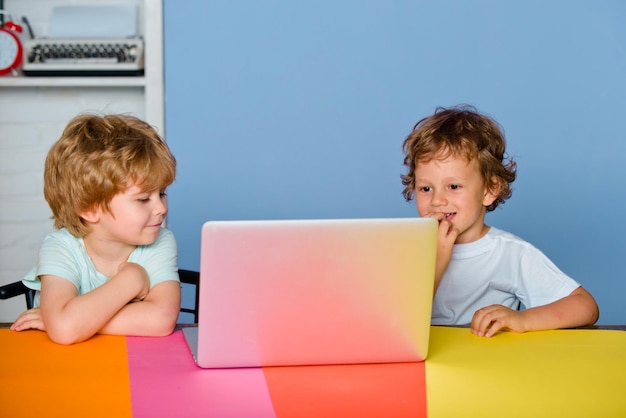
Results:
x,y
64,255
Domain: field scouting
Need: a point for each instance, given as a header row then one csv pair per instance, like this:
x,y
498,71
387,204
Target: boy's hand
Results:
x,y
134,275
446,238
577,309
491,319
31,319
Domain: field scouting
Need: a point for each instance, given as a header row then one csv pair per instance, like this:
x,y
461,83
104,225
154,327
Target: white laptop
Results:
x,y
311,292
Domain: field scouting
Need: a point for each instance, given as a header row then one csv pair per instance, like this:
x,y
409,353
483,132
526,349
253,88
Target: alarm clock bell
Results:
x,y
11,51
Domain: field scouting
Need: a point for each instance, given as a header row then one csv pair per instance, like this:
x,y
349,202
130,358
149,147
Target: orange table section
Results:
x,y
40,379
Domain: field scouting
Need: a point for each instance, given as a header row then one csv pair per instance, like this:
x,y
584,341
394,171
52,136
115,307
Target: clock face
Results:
x,y
10,52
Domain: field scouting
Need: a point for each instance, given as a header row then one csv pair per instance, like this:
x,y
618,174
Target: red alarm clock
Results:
x,y
10,46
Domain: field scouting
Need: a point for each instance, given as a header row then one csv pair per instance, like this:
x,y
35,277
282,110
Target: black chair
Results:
x,y
189,277
15,289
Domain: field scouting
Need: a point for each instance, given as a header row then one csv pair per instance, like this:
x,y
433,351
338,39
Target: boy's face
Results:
x,y
453,189
135,217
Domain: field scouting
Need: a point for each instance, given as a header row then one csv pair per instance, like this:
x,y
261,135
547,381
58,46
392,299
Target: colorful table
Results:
x,y
574,373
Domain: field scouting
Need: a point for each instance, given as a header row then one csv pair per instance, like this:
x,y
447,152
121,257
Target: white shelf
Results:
x,y
150,28
20,81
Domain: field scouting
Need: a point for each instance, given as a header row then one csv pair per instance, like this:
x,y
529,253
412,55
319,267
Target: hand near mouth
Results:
x,y
445,241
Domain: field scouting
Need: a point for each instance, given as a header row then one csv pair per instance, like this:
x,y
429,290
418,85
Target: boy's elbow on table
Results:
x,y
164,319
593,309
165,308
65,333
166,324
587,306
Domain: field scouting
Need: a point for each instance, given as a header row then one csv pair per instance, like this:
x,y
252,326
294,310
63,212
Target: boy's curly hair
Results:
x,y
463,132
98,157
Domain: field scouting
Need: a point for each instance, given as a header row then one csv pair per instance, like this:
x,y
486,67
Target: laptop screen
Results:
x,y
300,292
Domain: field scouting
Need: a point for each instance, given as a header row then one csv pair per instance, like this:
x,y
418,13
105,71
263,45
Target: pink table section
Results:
x,y
165,381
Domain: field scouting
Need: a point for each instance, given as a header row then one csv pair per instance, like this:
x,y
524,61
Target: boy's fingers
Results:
x,y
447,229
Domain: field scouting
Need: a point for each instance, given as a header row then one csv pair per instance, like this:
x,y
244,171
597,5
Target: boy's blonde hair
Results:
x,y
460,131
98,157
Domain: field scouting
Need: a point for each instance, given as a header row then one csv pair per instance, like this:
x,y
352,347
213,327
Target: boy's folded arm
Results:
x,y
155,315
577,309
70,318
574,310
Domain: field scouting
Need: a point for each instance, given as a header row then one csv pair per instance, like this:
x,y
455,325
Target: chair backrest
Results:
x,y
15,289
192,278
189,277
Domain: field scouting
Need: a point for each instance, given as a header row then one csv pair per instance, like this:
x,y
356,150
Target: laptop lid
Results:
x,y
305,292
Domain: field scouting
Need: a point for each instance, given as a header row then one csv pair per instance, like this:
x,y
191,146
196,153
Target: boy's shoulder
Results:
x,y
505,239
502,234
62,235
495,241
61,243
505,236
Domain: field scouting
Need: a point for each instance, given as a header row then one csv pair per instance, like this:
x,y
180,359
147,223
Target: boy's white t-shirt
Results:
x,y
65,255
500,268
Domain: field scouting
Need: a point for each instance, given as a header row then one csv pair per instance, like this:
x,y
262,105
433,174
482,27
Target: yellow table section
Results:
x,y
564,373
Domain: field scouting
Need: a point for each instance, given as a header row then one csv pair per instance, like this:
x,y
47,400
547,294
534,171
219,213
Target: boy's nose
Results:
x,y
438,199
161,207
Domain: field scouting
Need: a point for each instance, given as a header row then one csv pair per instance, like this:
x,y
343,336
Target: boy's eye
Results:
x,y
455,186
424,189
147,198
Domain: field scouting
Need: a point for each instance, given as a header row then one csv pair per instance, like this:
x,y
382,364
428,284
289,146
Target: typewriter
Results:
x,y
84,57
88,40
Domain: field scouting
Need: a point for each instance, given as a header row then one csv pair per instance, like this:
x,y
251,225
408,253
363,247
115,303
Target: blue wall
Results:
x,y
283,109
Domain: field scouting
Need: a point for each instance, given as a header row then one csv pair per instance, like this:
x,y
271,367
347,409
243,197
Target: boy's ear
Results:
x,y
492,191
91,215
